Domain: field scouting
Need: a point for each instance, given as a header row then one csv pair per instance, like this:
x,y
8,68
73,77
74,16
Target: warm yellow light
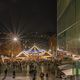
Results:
x,y
15,39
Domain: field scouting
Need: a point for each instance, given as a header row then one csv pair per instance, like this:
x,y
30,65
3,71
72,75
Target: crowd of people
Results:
x,y
21,67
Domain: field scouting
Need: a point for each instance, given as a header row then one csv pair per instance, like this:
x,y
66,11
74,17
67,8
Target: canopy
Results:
x,y
68,72
66,69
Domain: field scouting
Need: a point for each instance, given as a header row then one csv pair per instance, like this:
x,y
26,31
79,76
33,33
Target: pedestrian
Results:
x,y
31,74
13,73
42,76
34,74
5,72
47,76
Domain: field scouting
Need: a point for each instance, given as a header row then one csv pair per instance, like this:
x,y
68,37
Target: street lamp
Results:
x,y
15,39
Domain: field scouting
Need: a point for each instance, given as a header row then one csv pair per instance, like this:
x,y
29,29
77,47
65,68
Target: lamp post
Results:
x,y
14,39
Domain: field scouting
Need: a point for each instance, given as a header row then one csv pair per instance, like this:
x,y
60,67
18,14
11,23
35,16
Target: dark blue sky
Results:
x,y
28,16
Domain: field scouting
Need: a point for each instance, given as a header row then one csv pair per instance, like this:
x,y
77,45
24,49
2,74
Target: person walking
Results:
x,y
47,76
34,74
31,74
13,73
42,76
5,72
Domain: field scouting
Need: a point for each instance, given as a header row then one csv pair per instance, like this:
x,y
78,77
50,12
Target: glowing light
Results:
x,y
49,50
15,39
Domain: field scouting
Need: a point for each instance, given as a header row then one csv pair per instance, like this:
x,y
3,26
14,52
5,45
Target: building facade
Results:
x,y
68,25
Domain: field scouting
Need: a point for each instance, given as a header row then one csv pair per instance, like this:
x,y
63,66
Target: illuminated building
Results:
x,y
68,31
68,25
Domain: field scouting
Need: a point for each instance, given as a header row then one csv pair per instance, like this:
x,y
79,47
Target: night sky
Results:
x,y
25,16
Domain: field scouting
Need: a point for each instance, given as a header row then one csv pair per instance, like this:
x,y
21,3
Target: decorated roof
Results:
x,y
21,54
35,49
32,50
46,54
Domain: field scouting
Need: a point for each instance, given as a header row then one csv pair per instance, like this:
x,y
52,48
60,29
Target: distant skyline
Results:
x,y
28,16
